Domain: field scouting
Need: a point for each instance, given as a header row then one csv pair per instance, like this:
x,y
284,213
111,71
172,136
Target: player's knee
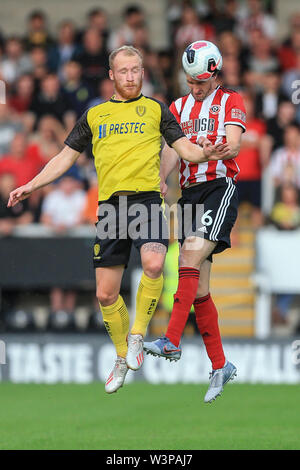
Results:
x,y
153,268
106,298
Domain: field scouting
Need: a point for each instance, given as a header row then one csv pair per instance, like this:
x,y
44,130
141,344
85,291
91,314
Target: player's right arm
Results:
x,y
168,162
187,150
55,168
76,142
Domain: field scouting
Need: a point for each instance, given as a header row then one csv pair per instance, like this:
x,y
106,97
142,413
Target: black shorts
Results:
x,y
125,220
213,207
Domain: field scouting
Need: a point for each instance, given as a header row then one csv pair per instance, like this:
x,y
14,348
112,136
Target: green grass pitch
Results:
x,y
144,416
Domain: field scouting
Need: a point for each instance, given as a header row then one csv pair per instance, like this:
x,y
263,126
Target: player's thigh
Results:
x,y
154,238
153,256
194,251
108,283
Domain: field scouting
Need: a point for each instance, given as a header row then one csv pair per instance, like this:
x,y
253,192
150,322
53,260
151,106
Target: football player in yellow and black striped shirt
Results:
x,y
125,133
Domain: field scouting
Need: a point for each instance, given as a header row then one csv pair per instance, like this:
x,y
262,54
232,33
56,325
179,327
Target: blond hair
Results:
x,y
128,50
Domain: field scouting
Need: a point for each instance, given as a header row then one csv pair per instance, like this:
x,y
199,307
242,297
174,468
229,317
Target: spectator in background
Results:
x,y
37,34
268,100
21,98
226,19
153,78
90,209
77,92
133,19
192,29
165,64
96,19
15,62
40,69
63,206
255,19
285,161
261,60
288,51
9,126
61,210
229,45
285,215
93,58
231,73
105,92
276,126
23,161
10,217
50,100
64,49
250,163
49,137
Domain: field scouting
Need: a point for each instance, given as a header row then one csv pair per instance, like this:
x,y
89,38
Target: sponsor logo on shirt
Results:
x,y
193,126
121,128
238,114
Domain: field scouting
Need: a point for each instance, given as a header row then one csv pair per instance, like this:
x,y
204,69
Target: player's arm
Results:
x,y
196,154
175,138
233,139
76,142
168,163
55,168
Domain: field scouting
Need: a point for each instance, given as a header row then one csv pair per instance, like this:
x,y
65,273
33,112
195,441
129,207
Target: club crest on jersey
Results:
x,y
140,110
215,109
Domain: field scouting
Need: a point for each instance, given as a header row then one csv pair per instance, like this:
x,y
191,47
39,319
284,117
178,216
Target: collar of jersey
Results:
x,y
127,101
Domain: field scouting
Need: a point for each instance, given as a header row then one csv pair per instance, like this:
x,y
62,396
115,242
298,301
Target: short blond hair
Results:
x,y
128,50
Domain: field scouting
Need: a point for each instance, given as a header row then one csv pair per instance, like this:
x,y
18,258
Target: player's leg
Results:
x,y
149,292
207,318
192,254
207,322
115,318
152,244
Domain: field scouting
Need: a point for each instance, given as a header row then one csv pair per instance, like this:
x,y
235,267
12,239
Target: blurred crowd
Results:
x,y
51,79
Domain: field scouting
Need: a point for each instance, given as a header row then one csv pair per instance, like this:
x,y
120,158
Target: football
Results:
x,y
201,60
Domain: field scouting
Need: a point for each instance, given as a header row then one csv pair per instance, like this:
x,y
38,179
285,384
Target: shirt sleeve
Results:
x,y
81,134
174,111
169,127
235,112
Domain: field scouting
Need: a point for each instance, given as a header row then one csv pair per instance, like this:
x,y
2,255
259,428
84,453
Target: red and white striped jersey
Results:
x,y
208,118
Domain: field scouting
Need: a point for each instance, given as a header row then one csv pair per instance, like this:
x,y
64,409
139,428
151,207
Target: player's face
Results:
x,y
201,89
127,74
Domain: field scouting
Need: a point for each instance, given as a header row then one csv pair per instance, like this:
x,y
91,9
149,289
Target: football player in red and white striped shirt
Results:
x,y
210,114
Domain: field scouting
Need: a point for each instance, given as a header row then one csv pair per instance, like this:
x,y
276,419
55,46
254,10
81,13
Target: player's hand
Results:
x,y
163,188
202,141
19,194
219,152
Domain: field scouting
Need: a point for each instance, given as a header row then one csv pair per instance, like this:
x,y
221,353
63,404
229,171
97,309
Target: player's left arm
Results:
x,y
233,138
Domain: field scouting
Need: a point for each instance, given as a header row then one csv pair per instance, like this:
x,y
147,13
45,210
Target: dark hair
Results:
x,y
95,11
37,14
132,9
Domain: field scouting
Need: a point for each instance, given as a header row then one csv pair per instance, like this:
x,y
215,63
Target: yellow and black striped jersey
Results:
x,y
126,142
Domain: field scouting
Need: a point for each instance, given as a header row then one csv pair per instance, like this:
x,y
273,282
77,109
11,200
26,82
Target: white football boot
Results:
x,y
117,376
135,353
